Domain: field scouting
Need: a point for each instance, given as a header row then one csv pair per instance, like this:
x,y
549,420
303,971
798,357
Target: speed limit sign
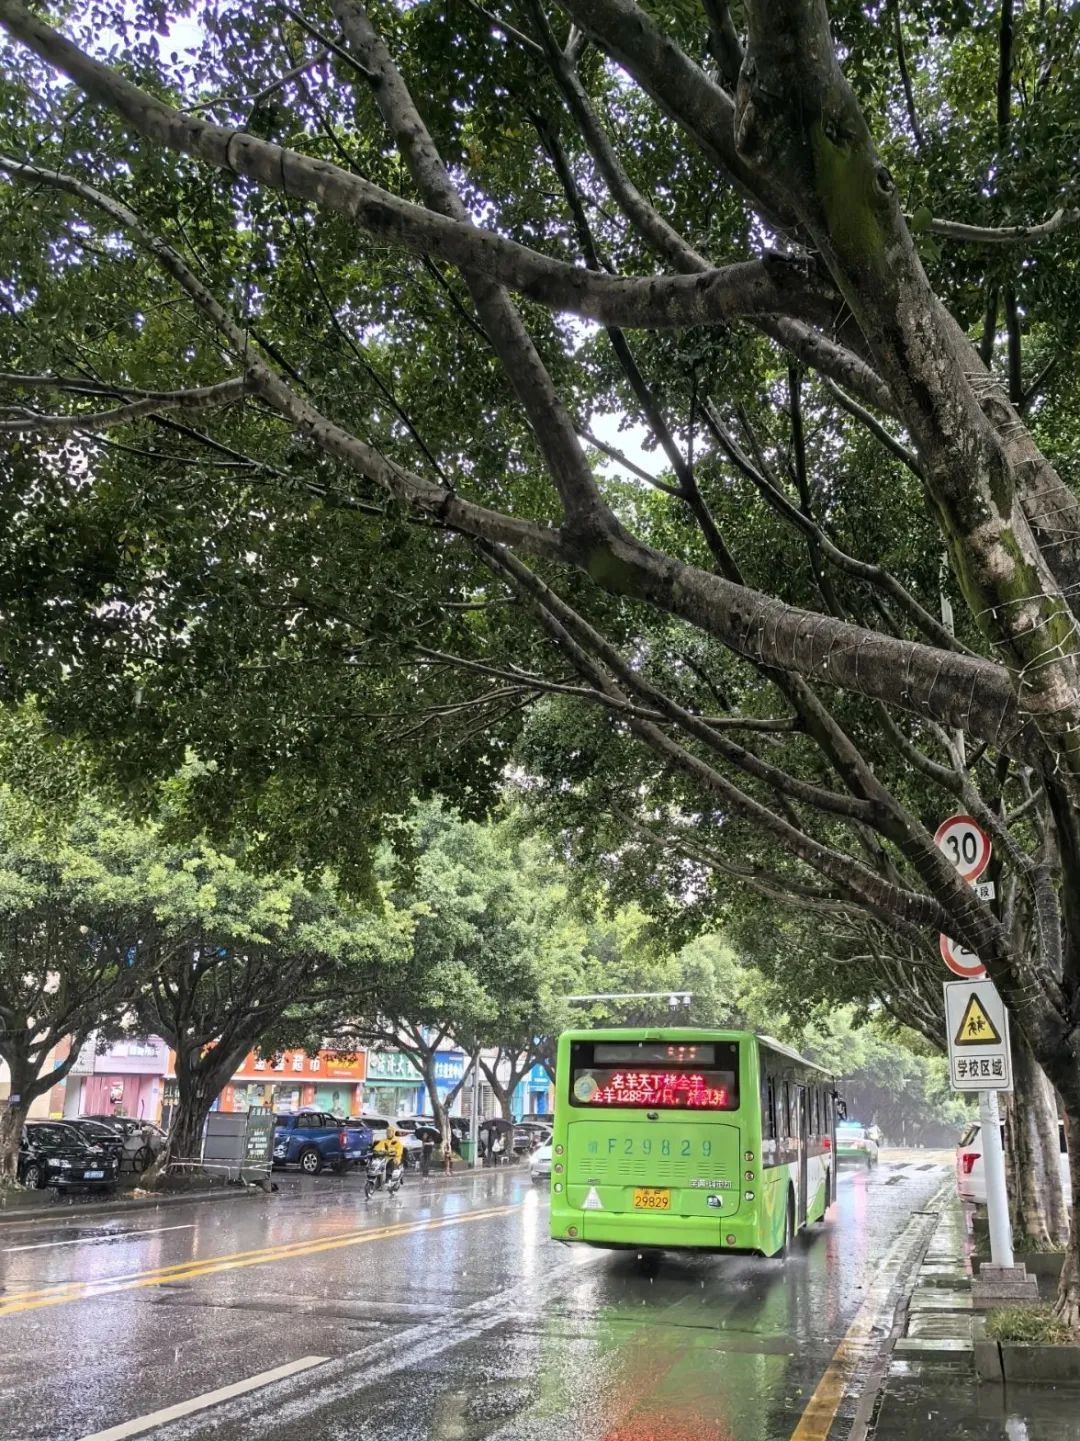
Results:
x,y
966,844
960,960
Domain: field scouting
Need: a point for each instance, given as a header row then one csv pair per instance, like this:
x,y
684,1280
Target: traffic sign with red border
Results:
x,y
960,960
966,844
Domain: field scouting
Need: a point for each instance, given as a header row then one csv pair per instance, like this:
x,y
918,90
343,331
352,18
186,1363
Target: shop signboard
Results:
x,y
299,1066
392,1066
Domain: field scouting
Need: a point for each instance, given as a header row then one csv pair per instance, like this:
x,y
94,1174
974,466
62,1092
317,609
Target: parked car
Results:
x,y
96,1133
856,1143
528,1138
140,1141
128,1125
414,1147
971,1164
54,1154
315,1139
540,1163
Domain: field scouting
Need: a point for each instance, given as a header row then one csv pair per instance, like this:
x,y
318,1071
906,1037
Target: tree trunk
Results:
x,y
1036,1200
438,1109
196,1091
1067,1305
11,1127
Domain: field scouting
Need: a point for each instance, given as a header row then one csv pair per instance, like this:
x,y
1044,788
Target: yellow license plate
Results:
x,y
651,1198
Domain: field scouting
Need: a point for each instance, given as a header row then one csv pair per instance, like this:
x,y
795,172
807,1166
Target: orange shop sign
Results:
x,y
299,1066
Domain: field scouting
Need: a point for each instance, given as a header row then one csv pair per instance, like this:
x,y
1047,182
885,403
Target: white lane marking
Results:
x,y
142,1424
98,1236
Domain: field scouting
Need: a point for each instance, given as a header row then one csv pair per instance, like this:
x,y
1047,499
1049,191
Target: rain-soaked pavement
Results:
x,y
445,1314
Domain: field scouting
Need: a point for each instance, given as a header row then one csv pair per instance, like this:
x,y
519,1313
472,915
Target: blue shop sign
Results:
x,y
449,1067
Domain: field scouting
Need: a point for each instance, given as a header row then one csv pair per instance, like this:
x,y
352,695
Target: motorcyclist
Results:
x,y
393,1148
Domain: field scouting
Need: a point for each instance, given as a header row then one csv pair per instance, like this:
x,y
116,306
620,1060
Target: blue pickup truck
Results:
x,y
314,1139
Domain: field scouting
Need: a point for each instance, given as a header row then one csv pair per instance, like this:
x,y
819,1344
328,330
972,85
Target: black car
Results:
x,y
54,1154
122,1125
97,1133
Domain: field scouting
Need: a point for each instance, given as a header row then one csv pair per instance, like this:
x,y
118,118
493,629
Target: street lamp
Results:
x,y
675,999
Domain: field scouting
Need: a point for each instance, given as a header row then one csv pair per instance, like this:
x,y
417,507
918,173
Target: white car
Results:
x,y
378,1126
971,1166
540,1162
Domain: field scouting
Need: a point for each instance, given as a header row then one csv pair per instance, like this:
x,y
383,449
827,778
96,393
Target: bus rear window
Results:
x,y
647,1084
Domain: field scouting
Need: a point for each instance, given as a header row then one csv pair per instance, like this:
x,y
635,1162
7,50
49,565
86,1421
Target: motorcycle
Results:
x,y
380,1175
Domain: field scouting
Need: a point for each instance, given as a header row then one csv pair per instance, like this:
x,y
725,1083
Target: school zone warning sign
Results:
x,y
976,1028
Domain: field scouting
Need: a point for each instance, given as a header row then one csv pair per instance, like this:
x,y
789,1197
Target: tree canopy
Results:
x,y
308,335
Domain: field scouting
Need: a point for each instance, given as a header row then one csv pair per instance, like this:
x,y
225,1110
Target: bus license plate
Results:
x,y
651,1198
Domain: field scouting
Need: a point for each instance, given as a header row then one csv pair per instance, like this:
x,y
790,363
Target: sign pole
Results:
x,y
967,845
997,1201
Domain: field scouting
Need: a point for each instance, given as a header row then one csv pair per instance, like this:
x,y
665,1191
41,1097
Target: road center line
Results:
x,y
141,1424
69,1291
98,1236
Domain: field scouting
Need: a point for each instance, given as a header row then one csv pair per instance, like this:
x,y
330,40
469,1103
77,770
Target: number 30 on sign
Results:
x,y
966,844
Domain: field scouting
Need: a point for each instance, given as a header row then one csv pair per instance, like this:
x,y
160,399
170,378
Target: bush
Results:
x,y
1030,1325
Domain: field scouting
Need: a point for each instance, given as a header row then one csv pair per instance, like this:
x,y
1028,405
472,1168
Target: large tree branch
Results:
x,y
1061,219
554,430
203,398
719,295
682,90
799,121
960,692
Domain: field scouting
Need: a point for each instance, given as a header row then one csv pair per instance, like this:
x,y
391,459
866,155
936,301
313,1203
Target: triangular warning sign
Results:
x,y
592,1201
976,1028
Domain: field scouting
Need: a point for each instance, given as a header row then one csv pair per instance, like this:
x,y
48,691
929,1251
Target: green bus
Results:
x,y
683,1139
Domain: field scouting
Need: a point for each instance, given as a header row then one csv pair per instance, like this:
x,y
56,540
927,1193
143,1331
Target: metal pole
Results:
x,y
474,1115
997,1202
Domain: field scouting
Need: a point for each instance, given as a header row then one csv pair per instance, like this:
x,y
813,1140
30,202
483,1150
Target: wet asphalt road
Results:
x,y
445,1314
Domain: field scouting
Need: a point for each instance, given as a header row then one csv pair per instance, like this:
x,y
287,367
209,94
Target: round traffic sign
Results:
x,y
960,960
966,844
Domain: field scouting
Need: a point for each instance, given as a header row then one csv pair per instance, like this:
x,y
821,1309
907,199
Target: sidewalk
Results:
x,y
931,1390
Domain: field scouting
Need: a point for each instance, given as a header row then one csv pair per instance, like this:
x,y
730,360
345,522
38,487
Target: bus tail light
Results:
x,y
967,1161
748,1175
730,1240
571,1230
748,1155
826,1141
559,1167
559,1150
557,1186
748,1195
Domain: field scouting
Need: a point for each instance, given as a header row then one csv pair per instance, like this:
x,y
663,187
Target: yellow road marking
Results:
x,y
815,1423
66,1292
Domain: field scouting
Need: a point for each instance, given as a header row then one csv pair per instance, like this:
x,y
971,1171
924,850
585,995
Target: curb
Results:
x,y
869,1402
58,1212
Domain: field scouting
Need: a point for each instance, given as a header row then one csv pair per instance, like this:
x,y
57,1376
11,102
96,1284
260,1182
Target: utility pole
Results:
x,y
474,1111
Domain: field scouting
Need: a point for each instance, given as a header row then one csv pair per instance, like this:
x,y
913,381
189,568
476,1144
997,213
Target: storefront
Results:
x,y
293,1079
126,1079
533,1096
395,1085
392,1085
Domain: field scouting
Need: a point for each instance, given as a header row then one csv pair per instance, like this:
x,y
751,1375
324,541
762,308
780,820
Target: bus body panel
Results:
x,y
726,1188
